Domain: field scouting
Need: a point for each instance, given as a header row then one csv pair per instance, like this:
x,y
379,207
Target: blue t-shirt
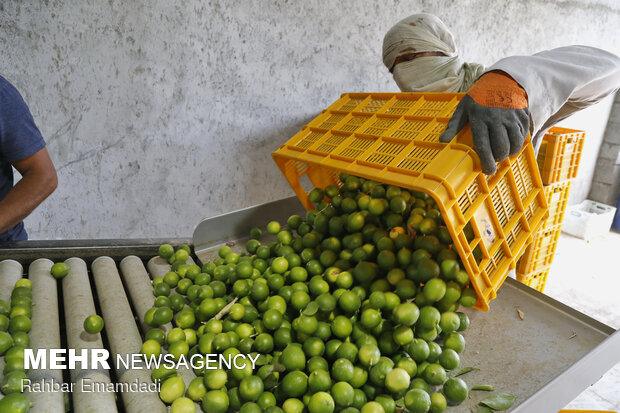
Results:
x,y
19,139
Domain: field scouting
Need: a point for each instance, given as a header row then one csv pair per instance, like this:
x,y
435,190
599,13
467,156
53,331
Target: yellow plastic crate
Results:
x,y
539,254
559,154
393,138
557,199
537,280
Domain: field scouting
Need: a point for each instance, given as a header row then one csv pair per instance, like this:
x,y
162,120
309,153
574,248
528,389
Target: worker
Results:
x,y
21,147
516,95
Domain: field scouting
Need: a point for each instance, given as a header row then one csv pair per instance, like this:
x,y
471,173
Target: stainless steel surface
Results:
x,y
237,224
534,359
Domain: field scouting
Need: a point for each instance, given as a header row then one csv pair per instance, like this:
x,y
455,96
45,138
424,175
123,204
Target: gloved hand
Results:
x,y
496,108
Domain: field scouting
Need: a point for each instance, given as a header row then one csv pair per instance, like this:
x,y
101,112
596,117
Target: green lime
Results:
x,y
342,370
349,302
15,403
429,317
314,346
435,374
397,380
4,322
12,382
161,289
165,251
196,389
19,323
341,327
317,363
250,407
372,407
21,339
464,321
5,307
294,384
438,403
215,401
181,255
293,357
418,350
59,270
319,380
215,379
321,402
370,318
183,405
406,314
93,324
368,355
454,341
342,393
449,359
273,227
162,315
468,297
449,322
434,289
402,335
417,401
151,348
409,365
178,348
250,388
455,390
292,405
172,389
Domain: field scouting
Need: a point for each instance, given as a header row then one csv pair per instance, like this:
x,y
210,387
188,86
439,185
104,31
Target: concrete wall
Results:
x,y
159,113
593,121
606,180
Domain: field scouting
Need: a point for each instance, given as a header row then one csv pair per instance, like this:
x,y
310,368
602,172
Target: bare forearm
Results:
x,y
25,196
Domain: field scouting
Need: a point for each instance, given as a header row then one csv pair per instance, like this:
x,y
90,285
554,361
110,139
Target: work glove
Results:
x,y
496,108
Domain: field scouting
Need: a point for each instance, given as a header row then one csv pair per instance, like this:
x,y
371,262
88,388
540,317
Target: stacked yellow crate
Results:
x,y
558,161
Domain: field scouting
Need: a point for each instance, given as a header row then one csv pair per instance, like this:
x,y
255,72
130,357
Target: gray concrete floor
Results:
x,y
586,276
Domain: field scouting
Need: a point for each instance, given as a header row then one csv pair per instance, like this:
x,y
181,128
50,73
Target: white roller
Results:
x,y
141,292
79,304
158,267
139,285
44,335
10,272
123,335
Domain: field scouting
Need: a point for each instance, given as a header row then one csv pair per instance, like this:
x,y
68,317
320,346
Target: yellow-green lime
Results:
x,y
93,324
321,402
59,270
172,389
183,405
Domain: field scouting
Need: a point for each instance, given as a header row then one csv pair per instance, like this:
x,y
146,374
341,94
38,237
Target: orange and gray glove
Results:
x,y
496,108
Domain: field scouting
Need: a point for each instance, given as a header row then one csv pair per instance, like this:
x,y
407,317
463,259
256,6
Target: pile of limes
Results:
x,y
14,327
352,308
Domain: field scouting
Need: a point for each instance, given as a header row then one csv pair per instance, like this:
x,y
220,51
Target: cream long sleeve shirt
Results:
x,y
562,81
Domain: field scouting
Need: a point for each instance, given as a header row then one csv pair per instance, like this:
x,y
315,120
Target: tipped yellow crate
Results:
x,y
559,154
539,254
393,138
557,199
537,280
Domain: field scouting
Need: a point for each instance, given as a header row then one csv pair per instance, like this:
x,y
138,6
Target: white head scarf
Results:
x,y
426,33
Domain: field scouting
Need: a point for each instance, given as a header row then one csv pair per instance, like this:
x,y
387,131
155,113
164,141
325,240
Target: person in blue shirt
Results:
x,y
21,147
